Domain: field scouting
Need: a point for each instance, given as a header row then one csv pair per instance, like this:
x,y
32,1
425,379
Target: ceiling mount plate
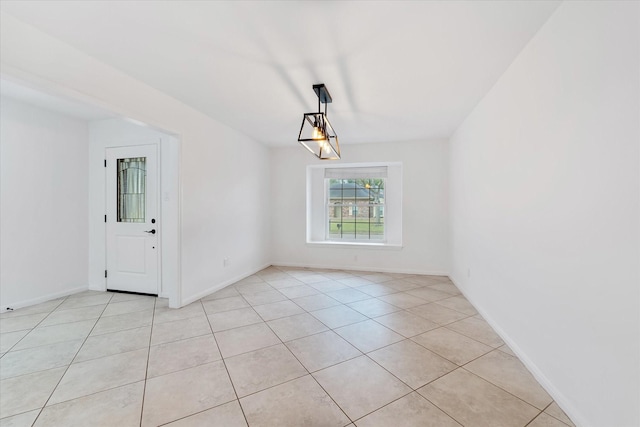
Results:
x,y
323,93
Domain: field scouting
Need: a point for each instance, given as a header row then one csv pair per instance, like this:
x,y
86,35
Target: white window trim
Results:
x,y
317,209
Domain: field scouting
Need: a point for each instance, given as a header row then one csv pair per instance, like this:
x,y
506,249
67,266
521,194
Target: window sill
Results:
x,y
359,245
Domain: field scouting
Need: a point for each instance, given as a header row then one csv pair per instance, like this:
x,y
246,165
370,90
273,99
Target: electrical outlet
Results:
x,y
355,258
226,262
468,273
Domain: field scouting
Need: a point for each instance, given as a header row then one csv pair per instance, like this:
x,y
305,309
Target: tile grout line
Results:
x,y
309,373
555,418
224,363
506,391
146,371
70,363
447,413
36,325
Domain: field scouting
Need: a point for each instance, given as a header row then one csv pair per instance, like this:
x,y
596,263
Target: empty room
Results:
x,y
320,213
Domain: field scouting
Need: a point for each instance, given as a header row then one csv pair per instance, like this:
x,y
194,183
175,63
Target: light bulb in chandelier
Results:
x,y
317,133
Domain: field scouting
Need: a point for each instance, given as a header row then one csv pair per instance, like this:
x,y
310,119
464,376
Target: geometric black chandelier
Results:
x,y
316,133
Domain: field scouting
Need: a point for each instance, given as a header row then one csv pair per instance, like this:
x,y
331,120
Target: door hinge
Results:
x,y
105,218
105,273
105,163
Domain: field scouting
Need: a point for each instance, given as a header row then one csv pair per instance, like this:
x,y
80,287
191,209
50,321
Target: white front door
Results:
x,y
132,220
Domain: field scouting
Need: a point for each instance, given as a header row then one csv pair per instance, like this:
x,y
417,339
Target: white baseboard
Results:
x,y
219,286
41,299
359,268
537,373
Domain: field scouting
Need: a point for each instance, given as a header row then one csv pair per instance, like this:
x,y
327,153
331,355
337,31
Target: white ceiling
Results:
x,y
396,70
20,91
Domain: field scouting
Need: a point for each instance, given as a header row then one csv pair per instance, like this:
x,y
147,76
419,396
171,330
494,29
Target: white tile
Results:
x,y
74,315
233,319
180,394
114,343
25,419
180,329
96,375
477,329
264,368
183,354
265,297
412,363
508,373
348,295
21,323
247,338
97,298
322,350
360,386
373,307
475,402
36,359
301,402
226,415
413,410
315,302
451,345
277,310
406,323
299,291
121,322
119,406
298,326
46,335
555,411
368,335
129,306
28,392
9,339
337,316
224,304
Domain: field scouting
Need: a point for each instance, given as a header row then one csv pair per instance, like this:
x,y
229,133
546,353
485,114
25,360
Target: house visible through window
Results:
x,y
355,208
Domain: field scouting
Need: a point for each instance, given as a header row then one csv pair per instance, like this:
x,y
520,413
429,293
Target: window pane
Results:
x,y
132,176
355,209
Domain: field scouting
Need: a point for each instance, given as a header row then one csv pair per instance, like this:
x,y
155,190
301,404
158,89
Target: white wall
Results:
x,y
425,209
224,174
545,209
43,204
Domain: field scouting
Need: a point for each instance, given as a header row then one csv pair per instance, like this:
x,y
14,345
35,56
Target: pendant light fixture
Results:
x,y
316,133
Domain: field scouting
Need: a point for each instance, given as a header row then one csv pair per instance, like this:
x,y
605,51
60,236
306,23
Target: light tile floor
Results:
x,y
284,347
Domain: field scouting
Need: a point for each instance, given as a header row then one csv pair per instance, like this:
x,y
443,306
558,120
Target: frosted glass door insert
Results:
x,y
132,176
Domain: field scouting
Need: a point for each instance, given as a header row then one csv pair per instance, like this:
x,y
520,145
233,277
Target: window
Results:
x,y
132,176
355,204
362,198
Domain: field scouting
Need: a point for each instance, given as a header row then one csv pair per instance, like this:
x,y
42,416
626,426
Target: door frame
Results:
x,y
113,133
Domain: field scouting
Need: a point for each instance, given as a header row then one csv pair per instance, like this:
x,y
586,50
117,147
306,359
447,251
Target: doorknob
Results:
x,y
151,231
